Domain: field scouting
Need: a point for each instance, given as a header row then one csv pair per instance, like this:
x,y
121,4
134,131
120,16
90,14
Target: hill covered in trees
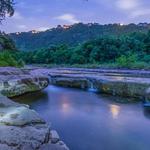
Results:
x,y
129,51
72,35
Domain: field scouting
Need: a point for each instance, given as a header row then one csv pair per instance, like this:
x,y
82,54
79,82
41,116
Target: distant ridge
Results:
x,y
72,34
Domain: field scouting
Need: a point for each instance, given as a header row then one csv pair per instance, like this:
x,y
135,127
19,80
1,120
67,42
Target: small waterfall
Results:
x,y
147,100
50,79
91,87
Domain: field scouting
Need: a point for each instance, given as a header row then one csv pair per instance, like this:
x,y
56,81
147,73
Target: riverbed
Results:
x,y
90,121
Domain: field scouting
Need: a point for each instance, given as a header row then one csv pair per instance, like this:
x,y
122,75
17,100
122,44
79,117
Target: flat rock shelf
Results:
x,y
124,83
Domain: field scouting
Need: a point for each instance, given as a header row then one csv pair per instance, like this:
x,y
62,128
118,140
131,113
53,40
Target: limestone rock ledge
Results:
x,y
125,83
14,82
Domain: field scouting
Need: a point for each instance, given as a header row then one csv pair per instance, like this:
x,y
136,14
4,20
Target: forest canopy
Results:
x,y
128,51
72,35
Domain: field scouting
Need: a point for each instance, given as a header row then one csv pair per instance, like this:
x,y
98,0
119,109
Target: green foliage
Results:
x,y
20,63
6,43
127,51
126,61
146,59
7,59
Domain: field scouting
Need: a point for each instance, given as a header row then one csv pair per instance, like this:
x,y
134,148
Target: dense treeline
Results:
x,y
128,50
125,50
72,35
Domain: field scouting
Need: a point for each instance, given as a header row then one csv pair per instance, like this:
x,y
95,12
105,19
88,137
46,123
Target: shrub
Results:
x,y
6,59
126,61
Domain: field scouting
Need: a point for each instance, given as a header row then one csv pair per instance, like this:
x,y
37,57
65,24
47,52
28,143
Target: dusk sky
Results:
x,y
43,14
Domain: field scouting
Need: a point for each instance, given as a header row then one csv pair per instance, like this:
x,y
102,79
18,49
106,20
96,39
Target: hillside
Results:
x,y
72,35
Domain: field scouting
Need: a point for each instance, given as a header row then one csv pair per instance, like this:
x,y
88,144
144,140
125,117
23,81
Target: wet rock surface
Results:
x,y
125,83
14,82
20,127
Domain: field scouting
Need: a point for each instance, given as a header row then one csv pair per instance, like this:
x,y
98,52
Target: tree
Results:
x,y
147,43
7,43
6,8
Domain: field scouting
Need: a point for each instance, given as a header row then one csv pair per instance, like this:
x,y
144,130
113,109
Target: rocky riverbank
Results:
x,y
22,128
125,83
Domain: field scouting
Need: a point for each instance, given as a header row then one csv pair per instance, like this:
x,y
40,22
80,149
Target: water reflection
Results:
x,y
31,98
65,103
115,110
87,121
65,107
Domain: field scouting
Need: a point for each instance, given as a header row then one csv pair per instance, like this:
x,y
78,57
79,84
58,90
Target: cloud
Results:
x,y
134,8
140,12
21,4
70,18
127,4
43,28
17,16
22,26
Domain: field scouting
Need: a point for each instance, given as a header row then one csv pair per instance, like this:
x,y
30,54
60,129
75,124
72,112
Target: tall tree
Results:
x,y
6,8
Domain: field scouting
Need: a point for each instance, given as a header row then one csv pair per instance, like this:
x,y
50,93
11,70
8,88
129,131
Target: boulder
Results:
x,y
14,82
54,136
17,122
18,116
23,129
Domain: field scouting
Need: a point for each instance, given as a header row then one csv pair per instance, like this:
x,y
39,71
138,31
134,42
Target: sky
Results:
x,y
43,14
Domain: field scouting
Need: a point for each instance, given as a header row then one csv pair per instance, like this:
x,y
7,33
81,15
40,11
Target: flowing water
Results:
x,y
88,121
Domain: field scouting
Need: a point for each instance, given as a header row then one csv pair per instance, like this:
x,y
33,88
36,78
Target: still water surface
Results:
x,y
87,121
